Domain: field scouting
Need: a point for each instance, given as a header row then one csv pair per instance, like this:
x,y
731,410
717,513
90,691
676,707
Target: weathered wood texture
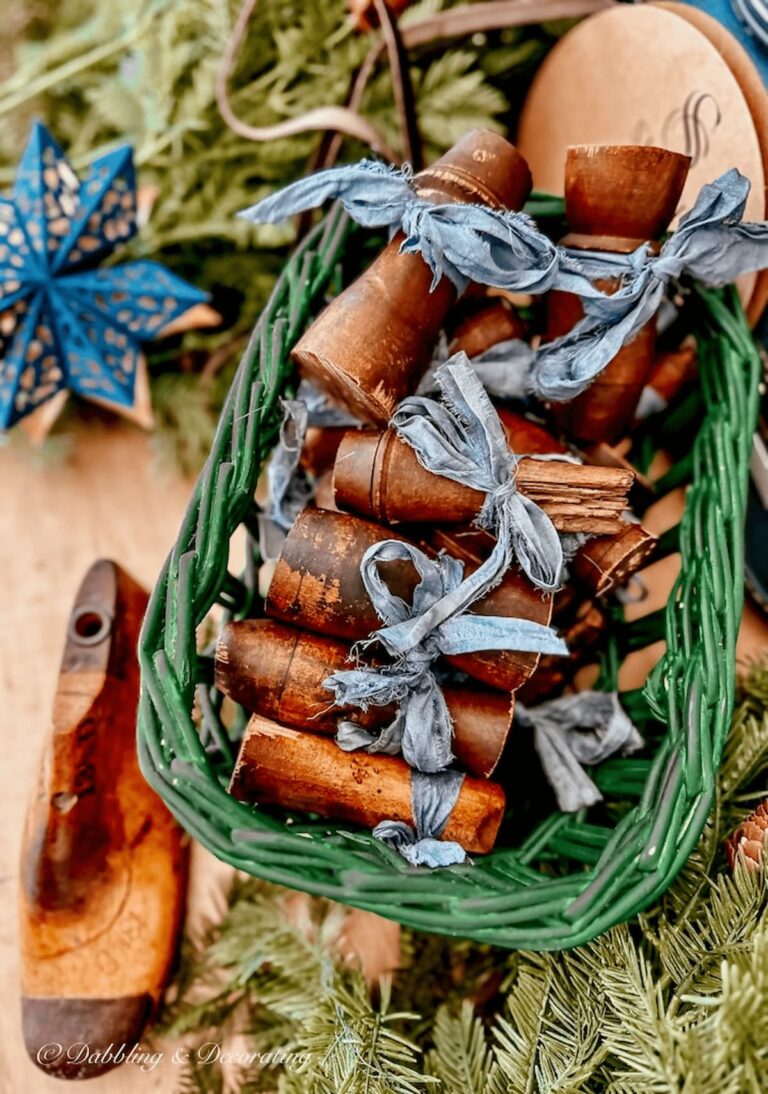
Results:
x,y
370,346
103,863
616,198
282,766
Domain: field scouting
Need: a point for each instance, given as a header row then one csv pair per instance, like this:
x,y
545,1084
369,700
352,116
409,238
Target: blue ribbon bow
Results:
x,y
464,440
288,490
463,242
711,244
415,634
585,728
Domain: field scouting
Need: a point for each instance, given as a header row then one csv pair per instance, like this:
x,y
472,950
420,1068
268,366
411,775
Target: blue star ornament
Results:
x,y
64,323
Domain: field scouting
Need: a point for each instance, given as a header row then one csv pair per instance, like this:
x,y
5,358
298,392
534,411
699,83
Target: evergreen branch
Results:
x,y
462,1059
518,1037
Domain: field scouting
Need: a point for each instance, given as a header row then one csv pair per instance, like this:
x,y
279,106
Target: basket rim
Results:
x,y
502,898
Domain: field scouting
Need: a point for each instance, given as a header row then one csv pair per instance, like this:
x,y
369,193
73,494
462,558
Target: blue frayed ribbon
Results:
x,y
712,244
415,634
432,800
288,490
463,439
585,728
463,242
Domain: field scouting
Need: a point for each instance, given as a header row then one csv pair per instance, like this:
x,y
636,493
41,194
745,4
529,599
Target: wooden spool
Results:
x,y
379,475
278,672
282,766
617,197
317,585
485,325
103,873
320,446
672,372
606,563
527,437
317,582
370,346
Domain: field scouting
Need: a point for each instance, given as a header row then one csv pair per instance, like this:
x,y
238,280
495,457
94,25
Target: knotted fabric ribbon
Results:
x,y
460,241
432,800
464,440
415,634
711,244
585,728
288,489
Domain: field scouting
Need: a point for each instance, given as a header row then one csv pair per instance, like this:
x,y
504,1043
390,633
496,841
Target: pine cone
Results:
x,y
749,838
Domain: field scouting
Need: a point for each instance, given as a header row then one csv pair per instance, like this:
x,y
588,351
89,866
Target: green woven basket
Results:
x,y
553,881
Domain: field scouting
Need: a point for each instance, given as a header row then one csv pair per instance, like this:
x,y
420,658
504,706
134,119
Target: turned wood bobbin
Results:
x,y
279,672
515,597
282,766
617,197
370,346
317,585
485,324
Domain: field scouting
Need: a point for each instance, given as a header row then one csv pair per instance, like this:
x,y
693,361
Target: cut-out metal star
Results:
x,y
65,323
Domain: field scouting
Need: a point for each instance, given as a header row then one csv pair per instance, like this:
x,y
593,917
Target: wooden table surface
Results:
x,y
105,498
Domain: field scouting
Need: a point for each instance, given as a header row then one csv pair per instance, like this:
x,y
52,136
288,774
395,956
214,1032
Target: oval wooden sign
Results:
x,y
643,74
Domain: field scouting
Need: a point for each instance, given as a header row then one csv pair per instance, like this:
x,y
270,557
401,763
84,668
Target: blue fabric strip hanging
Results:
x,y
432,800
435,622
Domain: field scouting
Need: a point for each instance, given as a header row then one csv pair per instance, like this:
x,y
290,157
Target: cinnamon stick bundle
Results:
x,y
294,770
379,475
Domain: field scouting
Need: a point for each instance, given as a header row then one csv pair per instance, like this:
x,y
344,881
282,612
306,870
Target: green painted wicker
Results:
x,y
567,878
